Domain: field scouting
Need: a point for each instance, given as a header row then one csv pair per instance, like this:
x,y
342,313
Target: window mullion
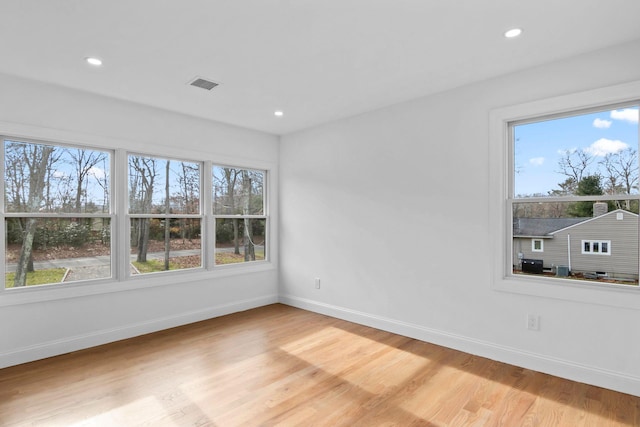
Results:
x,y
208,223
121,246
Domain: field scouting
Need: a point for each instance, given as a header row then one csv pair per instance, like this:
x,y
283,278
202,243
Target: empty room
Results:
x,y
320,213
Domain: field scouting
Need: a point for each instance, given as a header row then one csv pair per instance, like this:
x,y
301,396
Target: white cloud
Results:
x,y
536,161
59,174
97,172
628,115
602,124
604,146
563,152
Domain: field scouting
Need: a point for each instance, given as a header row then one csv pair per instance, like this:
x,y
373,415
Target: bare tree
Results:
x,y
83,162
142,173
189,181
36,159
622,172
15,175
103,181
249,248
574,164
230,179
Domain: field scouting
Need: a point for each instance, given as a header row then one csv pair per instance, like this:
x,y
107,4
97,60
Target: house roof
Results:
x,y
545,227
542,227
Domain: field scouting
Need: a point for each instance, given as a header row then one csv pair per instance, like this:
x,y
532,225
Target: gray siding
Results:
x,y
623,234
522,245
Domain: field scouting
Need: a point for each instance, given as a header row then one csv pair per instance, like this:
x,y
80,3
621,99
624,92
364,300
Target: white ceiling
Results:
x,y
317,60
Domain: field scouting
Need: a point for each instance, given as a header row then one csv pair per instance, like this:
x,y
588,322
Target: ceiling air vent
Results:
x,y
203,83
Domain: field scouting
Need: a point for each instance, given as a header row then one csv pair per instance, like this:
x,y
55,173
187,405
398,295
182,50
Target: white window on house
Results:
x,y
239,210
165,215
57,213
596,247
537,245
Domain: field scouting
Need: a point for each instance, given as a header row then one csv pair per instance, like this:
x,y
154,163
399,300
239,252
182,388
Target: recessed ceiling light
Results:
x,y
278,113
94,61
514,32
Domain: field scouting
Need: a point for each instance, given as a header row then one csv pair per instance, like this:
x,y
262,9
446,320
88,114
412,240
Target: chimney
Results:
x,y
600,208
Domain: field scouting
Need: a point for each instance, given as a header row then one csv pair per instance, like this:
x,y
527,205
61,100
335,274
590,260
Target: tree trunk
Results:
x,y
249,249
30,267
236,236
79,196
37,161
26,253
143,240
143,167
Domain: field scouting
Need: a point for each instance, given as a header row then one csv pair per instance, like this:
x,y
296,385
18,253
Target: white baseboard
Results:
x,y
537,362
79,342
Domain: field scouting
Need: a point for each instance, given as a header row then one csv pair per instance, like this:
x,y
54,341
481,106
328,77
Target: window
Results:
x,y
75,214
537,245
239,214
57,213
596,247
165,214
575,175
511,233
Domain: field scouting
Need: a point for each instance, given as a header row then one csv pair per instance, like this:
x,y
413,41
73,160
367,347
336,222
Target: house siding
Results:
x,y
522,245
623,234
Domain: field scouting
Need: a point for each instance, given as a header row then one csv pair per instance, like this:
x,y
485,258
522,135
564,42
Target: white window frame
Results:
x,y
121,280
111,215
533,245
264,216
500,203
200,215
595,244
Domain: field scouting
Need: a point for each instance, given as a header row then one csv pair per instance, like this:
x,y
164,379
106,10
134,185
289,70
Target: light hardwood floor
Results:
x,y
278,365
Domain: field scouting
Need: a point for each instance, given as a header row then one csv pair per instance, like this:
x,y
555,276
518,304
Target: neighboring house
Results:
x,y
606,244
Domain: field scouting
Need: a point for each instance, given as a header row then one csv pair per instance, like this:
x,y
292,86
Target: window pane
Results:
x,y
149,251
240,240
587,154
238,191
579,244
43,251
48,178
149,178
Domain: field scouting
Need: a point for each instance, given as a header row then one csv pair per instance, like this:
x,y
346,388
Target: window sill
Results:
x,y
29,295
622,296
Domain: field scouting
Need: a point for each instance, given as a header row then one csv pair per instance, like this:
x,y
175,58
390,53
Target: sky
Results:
x,y
539,146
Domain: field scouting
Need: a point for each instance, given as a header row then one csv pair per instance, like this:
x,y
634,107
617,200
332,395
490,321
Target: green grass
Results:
x,y
231,258
152,266
155,265
40,277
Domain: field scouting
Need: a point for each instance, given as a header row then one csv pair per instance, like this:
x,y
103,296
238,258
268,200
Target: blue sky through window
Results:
x,y
539,147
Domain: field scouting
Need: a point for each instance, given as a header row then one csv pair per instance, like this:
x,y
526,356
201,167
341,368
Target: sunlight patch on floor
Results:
x,y
370,357
134,413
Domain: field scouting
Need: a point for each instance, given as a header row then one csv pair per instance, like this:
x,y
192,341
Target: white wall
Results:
x,y
391,210
81,317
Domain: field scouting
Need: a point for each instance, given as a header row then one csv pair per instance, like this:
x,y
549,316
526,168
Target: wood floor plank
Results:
x,y
281,366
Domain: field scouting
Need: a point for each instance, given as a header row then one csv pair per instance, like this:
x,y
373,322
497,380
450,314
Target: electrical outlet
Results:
x,y
317,283
533,322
